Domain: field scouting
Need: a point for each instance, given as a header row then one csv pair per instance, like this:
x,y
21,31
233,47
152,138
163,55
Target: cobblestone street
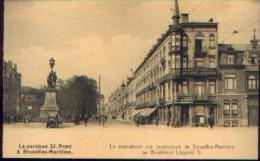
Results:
x,y
119,139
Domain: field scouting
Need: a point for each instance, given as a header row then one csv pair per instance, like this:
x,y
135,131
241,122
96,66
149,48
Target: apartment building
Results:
x,y
187,77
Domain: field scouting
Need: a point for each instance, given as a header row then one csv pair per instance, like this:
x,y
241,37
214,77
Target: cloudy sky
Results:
x,y
106,37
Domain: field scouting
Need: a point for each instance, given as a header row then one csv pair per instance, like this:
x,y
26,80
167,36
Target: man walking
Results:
x,y
86,119
157,120
211,121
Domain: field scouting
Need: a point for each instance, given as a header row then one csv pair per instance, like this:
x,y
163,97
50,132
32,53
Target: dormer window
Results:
x,y
212,42
230,59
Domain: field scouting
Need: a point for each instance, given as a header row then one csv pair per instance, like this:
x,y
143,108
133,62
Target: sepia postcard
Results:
x,y
130,79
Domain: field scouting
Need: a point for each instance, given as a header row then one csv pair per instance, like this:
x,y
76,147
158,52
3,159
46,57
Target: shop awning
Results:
x,y
149,111
145,112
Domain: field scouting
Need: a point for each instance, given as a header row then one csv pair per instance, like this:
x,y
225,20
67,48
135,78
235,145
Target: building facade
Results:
x,y
31,101
11,90
187,77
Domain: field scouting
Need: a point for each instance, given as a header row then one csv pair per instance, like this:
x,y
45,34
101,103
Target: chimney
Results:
x,y
211,20
184,17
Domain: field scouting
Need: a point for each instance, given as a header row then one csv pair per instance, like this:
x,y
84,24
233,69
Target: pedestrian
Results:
x,y
8,119
99,120
104,118
173,121
168,121
177,123
86,119
27,119
211,121
137,121
157,120
76,121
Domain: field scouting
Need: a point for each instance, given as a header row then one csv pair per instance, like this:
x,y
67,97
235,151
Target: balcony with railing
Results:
x,y
161,100
174,73
195,98
201,52
199,71
236,66
146,89
174,50
203,99
146,104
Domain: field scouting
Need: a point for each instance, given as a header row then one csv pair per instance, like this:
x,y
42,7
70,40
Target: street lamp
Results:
x,y
52,62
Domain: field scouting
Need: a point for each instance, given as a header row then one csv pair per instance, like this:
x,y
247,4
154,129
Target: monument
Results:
x,y
50,108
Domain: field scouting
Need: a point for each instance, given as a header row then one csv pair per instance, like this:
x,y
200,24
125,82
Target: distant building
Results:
x,y
11,90
31,100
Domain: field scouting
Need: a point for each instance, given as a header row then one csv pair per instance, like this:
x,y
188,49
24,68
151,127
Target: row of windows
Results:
x,y
230,59
231,82
175,42
199,88
199,38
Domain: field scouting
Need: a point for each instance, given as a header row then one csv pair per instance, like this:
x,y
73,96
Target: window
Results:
x,y
185,41
164,90
212,88
230,81
198,42
169,64
185,62
253,60
199,89
199,63
212,63
198,45
226,108
177,61
230,59
234,108
176,42
169,91
212,41
251,82
185,88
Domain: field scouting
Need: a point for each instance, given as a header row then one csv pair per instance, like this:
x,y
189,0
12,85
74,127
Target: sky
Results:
x,y
107,38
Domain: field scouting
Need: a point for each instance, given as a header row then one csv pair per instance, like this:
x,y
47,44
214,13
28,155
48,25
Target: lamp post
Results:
x,y
52,63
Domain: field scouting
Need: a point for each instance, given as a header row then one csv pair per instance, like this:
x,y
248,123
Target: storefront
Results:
x,y
147,115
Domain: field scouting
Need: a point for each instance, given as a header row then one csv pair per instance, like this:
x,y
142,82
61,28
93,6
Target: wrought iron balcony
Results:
x,y
152,103
174,73
199,71
200,52
232,66
174,50
146,89
199,97
146,104
161,100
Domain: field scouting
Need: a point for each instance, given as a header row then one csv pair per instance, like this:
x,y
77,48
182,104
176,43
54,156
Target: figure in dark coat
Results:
x,y
86,119
157,120
211,121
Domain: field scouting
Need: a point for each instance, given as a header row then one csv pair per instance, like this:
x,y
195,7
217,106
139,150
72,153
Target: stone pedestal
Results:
x,y
49,108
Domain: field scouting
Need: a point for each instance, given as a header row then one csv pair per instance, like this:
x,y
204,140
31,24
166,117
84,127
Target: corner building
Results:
x,y
177,79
